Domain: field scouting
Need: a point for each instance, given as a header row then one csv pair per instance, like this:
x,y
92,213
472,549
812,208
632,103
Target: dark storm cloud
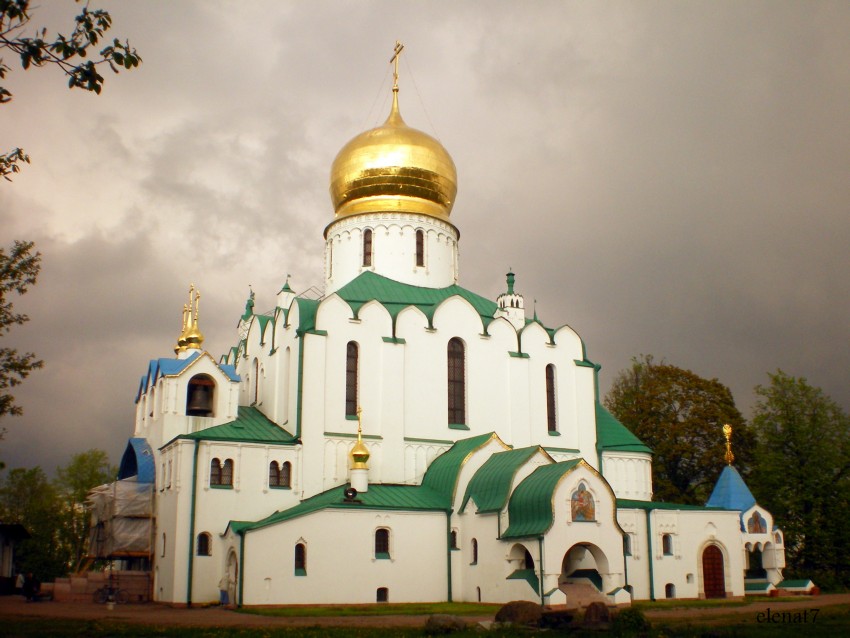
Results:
x,y
666,178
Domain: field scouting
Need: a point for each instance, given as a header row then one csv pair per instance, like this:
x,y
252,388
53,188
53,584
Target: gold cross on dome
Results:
x,y
399,47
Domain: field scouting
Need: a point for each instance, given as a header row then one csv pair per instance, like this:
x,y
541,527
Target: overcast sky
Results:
x,y
665,177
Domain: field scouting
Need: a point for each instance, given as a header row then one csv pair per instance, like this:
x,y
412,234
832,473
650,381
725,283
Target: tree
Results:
x,y
803,475
680,416
18,271
66,52
28,498
73,482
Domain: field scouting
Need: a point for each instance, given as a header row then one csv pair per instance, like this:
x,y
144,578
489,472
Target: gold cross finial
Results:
x,y
359,422
399,47
727,432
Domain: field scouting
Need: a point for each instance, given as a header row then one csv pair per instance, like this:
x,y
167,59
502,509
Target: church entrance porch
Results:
x,y
713,575
584,569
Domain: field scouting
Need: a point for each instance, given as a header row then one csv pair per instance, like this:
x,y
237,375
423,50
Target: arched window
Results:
x,y
274,474
478,593
204,544
551,417
300,559
227,472
382,543
367,247
667,544
420,248
215,472
670,590
199,396
163,543
627,545
453,539
457,382
286,474
382,595
352,362
255,386
527,560
474,551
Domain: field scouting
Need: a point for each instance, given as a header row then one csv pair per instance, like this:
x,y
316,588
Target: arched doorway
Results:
x,y
713,577
584,562
232,577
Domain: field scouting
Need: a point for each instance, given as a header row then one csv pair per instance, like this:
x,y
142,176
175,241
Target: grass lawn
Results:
x,y
384,609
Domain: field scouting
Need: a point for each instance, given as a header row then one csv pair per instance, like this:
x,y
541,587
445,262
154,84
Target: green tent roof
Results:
x,y
379,496
530,510
613,435
441,476
251,426
490,487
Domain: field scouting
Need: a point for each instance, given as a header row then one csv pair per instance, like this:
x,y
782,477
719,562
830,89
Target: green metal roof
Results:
x,y
396,296
264,321
385,497
251,426
490,487
306,314
613,435
441,475
530,510
625,503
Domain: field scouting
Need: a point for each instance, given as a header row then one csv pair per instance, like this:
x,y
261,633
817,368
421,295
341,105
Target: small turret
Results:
x,y
511,304
285,296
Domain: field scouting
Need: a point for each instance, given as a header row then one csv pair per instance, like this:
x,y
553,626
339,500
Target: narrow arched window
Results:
x,y
227,472
352,362
382,595
215,472
667,544
551,417
300,560
286,474
420,248
453,539
204,544
457,382
627,545
274,474
474,551
367,247
670,590
382,543
256,383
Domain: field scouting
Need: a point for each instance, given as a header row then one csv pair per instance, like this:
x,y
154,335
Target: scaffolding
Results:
x,y
121,520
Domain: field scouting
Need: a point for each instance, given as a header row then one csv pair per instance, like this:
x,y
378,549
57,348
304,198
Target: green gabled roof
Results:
x,y
386,497
441,475
396,296
613,435
530,511
306,314
251,426
491,484
626,503
264,321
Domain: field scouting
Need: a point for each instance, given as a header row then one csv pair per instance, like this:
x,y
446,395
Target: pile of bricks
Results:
x,y
81,589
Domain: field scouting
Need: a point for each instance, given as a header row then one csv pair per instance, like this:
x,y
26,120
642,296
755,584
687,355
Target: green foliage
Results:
x,y
18,271
28,498
630,622
85,471
803,476
53,513
680,416
76,55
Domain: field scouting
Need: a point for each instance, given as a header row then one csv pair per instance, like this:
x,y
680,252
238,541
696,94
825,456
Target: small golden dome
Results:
x,y
359,456
393,168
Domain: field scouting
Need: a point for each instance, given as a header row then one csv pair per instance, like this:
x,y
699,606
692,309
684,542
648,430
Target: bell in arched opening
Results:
x,y
199,396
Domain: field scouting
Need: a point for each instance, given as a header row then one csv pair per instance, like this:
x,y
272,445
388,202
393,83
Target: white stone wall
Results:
x,y
393,250
629,473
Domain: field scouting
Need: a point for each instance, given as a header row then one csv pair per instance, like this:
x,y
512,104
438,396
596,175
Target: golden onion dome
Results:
x,y
393,168
359,456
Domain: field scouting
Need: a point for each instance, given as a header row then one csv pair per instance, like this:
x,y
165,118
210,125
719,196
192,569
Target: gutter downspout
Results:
x,y
540,545
449,554
242,567
650,556
626,563
191,565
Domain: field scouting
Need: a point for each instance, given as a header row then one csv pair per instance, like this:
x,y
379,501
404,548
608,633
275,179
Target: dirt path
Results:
x,y
165,616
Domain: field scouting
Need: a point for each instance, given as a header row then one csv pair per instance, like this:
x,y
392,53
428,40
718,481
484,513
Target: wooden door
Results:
x,y
713,579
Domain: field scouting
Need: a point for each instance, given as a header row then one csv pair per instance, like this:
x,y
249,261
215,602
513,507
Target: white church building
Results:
x,y
401,438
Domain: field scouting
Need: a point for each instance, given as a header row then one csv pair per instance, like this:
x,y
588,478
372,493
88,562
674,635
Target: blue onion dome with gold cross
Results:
x,y
393,168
